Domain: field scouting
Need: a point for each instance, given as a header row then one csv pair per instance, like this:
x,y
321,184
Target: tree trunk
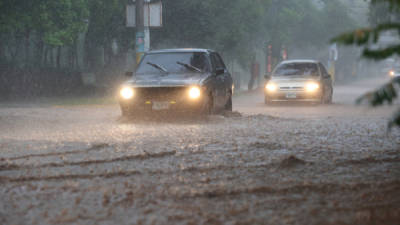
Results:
x,y
88,53
14,51
75,54
58,57
52,57
45,56
40,51
27,46
110,54
70,56
2,50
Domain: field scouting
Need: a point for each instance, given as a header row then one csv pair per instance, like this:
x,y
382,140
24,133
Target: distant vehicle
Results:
x,y
394,72
299,80
391,67
188,80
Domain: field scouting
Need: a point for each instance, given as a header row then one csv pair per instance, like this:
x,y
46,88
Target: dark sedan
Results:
x,y
188,80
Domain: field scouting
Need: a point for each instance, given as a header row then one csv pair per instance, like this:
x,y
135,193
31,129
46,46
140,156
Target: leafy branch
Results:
x,y
364,37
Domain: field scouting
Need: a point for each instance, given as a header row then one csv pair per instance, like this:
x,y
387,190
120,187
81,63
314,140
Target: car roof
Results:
x,y
174,50
300,61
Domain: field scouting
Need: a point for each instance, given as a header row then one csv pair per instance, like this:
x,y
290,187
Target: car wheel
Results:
x,y
266,100
125,111
228,105
330,97
208,106
323,99
326,99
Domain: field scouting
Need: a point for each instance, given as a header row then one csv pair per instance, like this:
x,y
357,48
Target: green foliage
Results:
x,y
236,28
382,12
59,21
239,27
229,26
106,20
385,94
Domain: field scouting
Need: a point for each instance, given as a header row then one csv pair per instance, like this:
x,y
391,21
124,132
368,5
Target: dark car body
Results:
x,y
164,81
299,80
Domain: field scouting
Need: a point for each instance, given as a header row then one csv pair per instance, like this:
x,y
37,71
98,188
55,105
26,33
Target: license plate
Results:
x,y
160,105
291,95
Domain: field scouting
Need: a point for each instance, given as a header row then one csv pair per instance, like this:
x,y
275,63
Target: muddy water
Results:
x,y
281,164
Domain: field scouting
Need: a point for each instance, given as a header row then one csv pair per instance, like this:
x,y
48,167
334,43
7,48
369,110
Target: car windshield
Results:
x,y
297,69
178,63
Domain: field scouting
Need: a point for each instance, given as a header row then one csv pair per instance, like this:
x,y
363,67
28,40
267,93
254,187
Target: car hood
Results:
x,y
294,79
170,80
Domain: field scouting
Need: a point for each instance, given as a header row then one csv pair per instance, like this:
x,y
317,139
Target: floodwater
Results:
x,y
280,164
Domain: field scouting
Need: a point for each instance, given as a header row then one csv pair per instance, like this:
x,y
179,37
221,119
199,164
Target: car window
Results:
x,y
217,61
323,70
297,69
168,61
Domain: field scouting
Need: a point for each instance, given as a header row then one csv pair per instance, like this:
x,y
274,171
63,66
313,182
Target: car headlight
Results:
x,y
391,73
194,93
271,87
127,93
311,87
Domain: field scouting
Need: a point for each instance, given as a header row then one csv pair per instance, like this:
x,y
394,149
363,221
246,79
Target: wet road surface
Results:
x,y
280,164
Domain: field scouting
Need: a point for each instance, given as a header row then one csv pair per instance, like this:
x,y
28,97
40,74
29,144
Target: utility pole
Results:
x,y
140,35
147,27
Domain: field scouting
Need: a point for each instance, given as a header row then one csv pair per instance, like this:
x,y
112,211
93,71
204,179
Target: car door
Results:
x,y
223,80
326,80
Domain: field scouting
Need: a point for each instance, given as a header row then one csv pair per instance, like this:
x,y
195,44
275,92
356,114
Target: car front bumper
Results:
x,y
163,99
301,96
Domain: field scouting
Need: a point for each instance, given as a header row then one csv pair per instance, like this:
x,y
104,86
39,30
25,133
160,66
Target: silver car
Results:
x,y
299,80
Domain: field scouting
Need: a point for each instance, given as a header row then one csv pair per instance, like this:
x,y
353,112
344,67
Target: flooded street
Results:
x,y
279,164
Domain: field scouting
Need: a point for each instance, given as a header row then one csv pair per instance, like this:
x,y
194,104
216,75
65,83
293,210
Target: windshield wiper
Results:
x,y
162,69
189,67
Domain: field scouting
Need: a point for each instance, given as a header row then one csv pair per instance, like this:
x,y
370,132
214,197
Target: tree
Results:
x,y
384,18
60,22
54,23
228,26
238,28
106,23
14,26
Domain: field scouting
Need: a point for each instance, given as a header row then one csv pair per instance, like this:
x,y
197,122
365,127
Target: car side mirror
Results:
x,y
219,71
128,74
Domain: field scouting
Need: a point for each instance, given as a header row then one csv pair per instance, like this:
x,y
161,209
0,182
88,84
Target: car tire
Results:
x,y
128,111
330,97
267,101
228,105
208,106
323,99
125,111
326,99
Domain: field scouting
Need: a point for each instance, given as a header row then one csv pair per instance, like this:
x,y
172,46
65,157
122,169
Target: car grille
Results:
x,y
291,88
161,93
